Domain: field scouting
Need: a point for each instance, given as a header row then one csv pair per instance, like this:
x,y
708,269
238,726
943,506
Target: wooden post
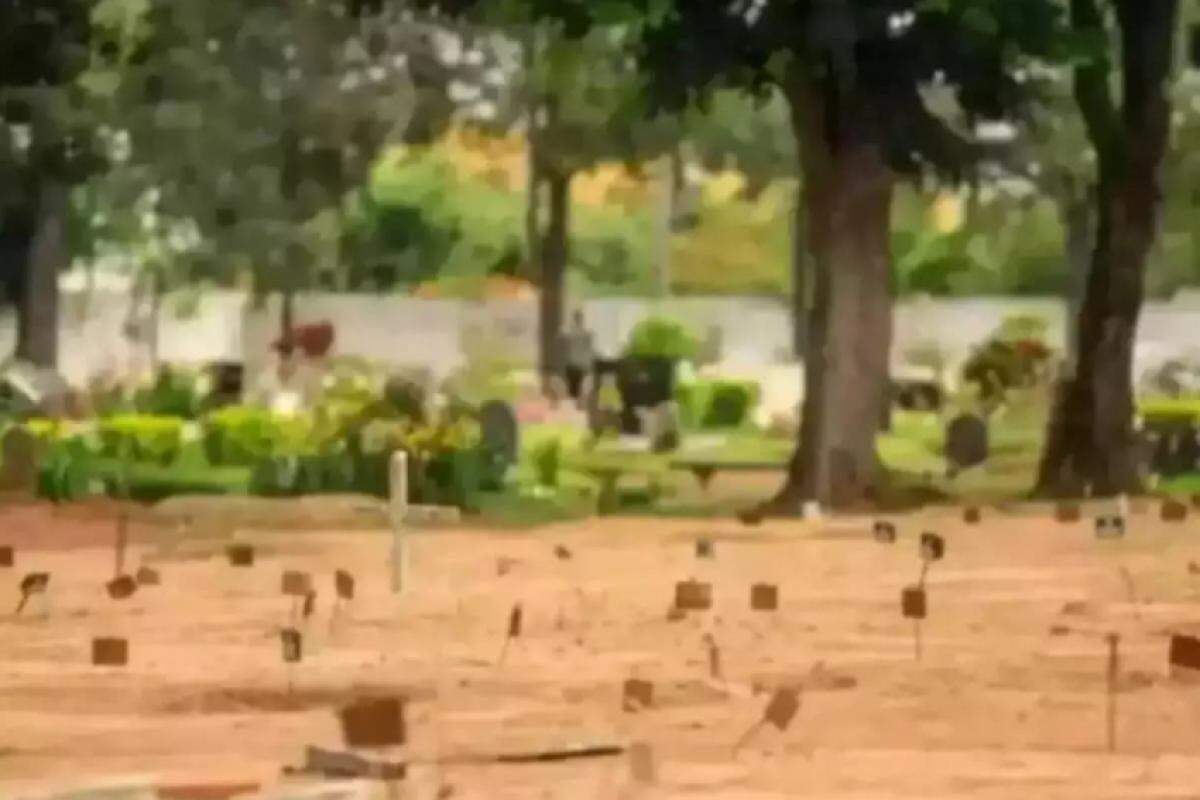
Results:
x,y
1113,669
398,488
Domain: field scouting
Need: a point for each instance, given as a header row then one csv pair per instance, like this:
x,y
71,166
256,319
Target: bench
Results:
x,y
705,470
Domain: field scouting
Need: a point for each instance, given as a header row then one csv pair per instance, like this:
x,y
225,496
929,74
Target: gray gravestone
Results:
x,y
966,441
19,468
499,429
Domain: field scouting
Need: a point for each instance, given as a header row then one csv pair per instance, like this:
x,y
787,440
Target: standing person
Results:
x,y
580,355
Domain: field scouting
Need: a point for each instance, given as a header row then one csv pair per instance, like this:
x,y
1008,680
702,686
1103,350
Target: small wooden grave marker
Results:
x,y
6,556
714,658
637,694
641,763
693,596
1113,673
310,605
972,515
562,553
912,602
34,583
293,645
296,584
884,532
374,723
1110,526
122,543
110,652
1066,512
344,584
121,587
514,631
704,548
1173,511
240,555
933,547
764,597
147,576
780,712
1184,658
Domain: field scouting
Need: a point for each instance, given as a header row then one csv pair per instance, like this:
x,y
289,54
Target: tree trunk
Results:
x,y
37,306
555,250
847,198
1091,447
287,314
1076,213
801,276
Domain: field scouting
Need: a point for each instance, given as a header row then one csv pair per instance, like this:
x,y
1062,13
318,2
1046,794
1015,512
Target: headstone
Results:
x,y
782,709
310,605
296,584
122,587
637,694
374,723
1066,511
933,547
1110,526
240,555
704,548
1184,658
764,597
1173,511
148,577
966,441
884,532
500,434
344,584
912,602
693,596
972,515
19,464
110,652
292,645
6,556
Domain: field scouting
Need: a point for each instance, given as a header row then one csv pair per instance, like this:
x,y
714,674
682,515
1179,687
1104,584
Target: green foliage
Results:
x,y
141,437
546,457
247,435
1014,357
714,404
66,471
659,337
1169,410
174,393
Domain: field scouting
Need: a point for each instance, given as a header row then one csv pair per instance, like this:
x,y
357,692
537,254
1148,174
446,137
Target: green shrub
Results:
x,y
66,471
716,403
547,459
246,435
173,394
1013,357
659,337
1170,410
141,437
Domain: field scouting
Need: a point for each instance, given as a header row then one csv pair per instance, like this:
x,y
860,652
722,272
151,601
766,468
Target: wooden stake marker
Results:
x,y
240,555
514,631
933,547
693,596
764,597
1173,511
1113,673
148,577
913,606
110,652
637,694
1110,526
374,723
122,542
293,645
972,515
122,587
704,548
780,712
714,658
6,557
884,532
344,584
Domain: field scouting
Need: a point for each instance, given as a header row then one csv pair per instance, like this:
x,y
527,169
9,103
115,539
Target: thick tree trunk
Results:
x,y
847,197
1077,215
801,276
1091,447
37,306
555,250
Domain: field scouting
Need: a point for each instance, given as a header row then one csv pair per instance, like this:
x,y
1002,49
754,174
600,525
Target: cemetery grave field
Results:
x,y
1008,698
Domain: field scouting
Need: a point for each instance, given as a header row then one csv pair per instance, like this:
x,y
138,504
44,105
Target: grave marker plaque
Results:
x,y
933,547
296,584
110,652
1067,512
782,708
972,515
121,587
912,602
240,555
1110,526
1184,658
764,597
637,694
148,577
374,723
693,596
884,532
514,622
6,557
1173,511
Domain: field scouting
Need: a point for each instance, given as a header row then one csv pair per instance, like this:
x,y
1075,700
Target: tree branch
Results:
x,y
1091,88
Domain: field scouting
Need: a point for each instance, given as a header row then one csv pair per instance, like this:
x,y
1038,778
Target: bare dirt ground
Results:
x,y
1008,700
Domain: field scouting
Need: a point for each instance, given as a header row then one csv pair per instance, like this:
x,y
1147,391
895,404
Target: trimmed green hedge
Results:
x,y
713,404
141,437
244,436
1170,410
